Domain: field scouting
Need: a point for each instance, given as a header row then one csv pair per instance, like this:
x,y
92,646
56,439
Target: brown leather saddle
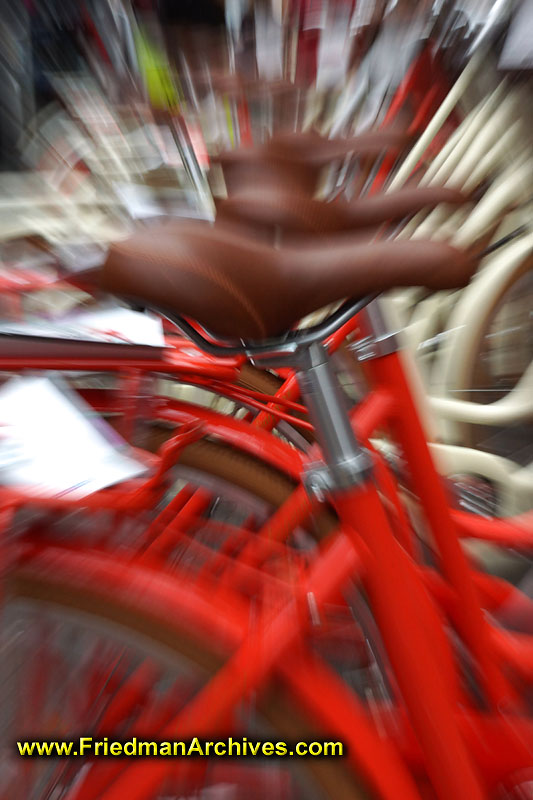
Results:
x,y
238,287
242,287
275,206
295,160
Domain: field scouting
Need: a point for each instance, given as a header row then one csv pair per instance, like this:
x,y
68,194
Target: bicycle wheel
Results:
x,y
257,380
488,362
60,632
505,353
216,514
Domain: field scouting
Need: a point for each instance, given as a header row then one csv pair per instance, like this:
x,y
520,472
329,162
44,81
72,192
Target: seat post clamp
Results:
x,y
321,480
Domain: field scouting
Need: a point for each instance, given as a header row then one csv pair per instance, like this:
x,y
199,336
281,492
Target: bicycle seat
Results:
x,y
241,288
296,159
235,84
309,147
298,213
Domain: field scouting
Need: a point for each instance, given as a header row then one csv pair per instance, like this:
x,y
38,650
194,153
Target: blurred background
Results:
x,y
118,114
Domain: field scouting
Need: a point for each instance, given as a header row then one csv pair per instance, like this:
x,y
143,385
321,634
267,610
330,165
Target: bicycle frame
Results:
x,y
465,747
409,598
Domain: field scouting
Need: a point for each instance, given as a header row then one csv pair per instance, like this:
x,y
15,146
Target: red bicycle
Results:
x,y
441,705
325,609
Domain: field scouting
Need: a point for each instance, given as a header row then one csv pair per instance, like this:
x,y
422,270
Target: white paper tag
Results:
x,y
117,325
333,55
268,46
52,445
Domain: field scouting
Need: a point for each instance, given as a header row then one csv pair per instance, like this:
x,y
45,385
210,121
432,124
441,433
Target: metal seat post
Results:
x,y
347,462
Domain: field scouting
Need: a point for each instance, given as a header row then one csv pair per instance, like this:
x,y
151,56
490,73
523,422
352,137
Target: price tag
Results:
x,y
12,450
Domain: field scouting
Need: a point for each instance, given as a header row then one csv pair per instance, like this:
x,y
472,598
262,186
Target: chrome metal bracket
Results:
x,y
321,480
375,346
317,481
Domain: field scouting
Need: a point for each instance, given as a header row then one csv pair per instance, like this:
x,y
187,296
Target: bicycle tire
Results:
x,y
251,474
101,604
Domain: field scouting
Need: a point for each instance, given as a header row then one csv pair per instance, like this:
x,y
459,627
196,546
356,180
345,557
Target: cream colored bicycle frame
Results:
x,y
490,140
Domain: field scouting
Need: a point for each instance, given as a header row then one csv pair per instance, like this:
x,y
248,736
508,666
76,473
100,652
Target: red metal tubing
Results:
x,y
372,412
233,431
514,532
516,649
173,362
292,513
389,489
289,390
408,431
177,527
371,754
422,660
